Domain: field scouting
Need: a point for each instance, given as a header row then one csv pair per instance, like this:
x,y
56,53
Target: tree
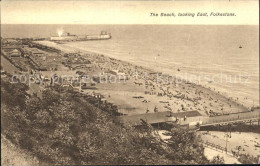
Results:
x,y
69,130
185,146
217,160
13,94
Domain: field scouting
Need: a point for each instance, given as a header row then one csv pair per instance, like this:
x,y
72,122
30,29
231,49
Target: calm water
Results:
x,y
201,50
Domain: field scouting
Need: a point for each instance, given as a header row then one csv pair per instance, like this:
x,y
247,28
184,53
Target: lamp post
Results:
x,y
230,128
226,135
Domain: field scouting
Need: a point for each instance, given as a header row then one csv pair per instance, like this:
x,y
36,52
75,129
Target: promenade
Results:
x,y
250,116
192,118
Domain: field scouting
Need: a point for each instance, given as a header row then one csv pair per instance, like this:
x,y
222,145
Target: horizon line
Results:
x,y
122,24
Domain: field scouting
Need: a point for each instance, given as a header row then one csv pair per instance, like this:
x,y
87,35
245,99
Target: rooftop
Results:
x,y
157,117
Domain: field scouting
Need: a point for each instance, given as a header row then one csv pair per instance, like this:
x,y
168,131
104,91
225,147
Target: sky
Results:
x,y
126,12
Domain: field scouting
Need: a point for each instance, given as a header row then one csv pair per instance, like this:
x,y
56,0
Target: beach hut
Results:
x,y
15,53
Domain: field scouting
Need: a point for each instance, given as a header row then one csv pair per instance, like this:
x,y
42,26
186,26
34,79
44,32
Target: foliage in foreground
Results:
x,y
65,129
248,159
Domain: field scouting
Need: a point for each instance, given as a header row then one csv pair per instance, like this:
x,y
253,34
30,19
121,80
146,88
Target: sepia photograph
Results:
x,y
129,82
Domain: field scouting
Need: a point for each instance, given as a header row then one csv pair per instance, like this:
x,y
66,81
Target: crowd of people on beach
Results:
x,y
184,96
180,95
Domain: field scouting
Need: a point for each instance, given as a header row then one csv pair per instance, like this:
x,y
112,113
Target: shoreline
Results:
x,y
188,92
245,101
227,88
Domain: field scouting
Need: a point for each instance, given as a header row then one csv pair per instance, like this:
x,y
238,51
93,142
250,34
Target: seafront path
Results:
x,y
165,117
248,117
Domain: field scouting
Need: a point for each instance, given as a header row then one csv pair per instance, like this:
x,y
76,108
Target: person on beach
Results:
x,y
155,109
147,110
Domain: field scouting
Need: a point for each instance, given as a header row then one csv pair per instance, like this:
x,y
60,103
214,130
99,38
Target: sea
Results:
x,y
224,58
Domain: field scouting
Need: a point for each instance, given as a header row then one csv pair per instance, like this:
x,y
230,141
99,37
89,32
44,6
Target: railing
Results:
x,y
231,117
218,147
221,149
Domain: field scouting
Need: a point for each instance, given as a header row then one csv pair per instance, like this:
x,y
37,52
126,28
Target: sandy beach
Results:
x,y
176,96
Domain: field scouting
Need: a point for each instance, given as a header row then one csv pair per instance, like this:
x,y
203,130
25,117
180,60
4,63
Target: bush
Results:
x,y
68,130
218,160
248,159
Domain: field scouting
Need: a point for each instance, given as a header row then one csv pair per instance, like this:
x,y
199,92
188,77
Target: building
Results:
x,y
77,62
43,61
12,52
189,118
151,118
11,42
120,75
38,54
15,53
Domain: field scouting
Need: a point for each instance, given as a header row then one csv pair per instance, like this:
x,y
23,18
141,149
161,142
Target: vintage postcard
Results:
x,y
129,82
